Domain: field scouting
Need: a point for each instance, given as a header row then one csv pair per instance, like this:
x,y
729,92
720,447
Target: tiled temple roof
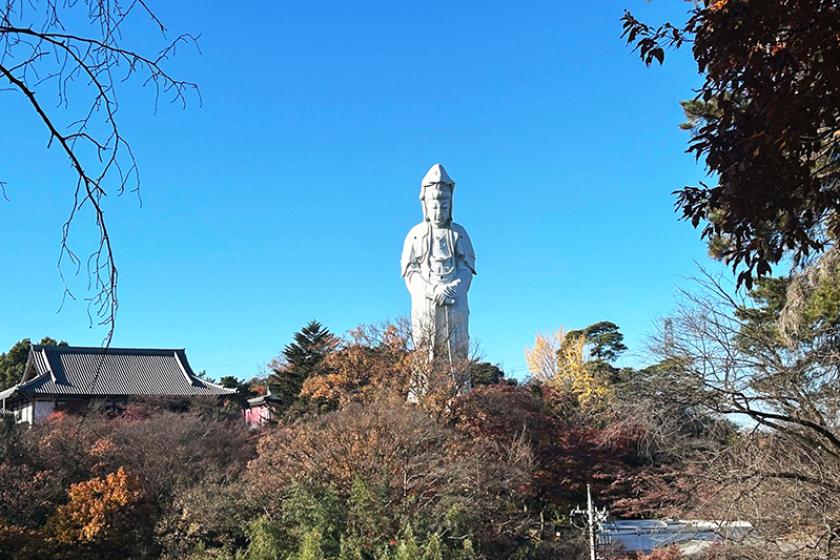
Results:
x,y
74,370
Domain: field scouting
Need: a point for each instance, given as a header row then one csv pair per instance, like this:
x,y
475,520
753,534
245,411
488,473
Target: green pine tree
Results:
x,y
13,362
266,542
309,506
303,358
434,548
349,549
468,553
408,549
366,517
605,344
310,546
485,373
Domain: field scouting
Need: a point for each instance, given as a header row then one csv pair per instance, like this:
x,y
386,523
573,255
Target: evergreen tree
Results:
x,y
806,308
310,546
349,549
434,548
408,549
303,358
307,507
605,344
485,373
266,541
365,514
468,553
13,362
604,340
244,388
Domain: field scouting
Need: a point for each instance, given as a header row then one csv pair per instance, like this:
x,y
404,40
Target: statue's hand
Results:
x,y
450,292
440,297
439,294
445,294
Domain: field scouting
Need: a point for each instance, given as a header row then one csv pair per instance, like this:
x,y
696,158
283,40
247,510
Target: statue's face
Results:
x,y
438,205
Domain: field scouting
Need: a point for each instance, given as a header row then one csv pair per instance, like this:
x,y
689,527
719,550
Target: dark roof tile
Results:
x,y
74,370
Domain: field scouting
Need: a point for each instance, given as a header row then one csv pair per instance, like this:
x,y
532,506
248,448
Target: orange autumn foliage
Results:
x,y
101,447
97,508
415,462
373,360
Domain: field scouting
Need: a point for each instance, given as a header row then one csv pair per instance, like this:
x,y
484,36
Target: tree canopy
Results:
x,y
604,340
13,362
765,122
300,360
485,373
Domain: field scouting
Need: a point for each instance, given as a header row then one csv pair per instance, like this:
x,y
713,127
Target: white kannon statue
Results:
x,y
438,263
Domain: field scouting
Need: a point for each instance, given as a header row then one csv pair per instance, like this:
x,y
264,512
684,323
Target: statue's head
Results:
x,y
436,196
437,205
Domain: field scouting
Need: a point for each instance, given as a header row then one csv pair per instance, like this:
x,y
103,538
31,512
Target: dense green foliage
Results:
x,y
604,339
605,344
13,362
485,373
302,358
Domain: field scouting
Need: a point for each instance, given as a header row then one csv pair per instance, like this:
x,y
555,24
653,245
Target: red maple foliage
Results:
x,y
569,455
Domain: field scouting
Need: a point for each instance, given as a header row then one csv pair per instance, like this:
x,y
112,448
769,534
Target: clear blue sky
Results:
x,y
287,194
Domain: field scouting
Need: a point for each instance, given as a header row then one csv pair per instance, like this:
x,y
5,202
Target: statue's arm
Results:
x,y
414,280
464,249
410,267
465,262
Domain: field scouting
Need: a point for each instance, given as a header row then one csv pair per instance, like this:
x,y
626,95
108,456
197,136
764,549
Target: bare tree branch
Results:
x,y
36,49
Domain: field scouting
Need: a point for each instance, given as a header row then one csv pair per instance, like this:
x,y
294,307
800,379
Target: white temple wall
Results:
x,y
34,412
42,410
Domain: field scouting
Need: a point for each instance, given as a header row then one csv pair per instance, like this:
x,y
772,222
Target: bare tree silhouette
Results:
x,y
39,49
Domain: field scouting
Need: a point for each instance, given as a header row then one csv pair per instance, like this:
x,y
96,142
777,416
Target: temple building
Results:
x,y
262,410
71,378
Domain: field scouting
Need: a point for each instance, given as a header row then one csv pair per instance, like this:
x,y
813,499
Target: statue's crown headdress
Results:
x,y
437,174
434,176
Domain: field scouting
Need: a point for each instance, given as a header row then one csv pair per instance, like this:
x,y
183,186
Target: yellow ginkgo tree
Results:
x,y
561,362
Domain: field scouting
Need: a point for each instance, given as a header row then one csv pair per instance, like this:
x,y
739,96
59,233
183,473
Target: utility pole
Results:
x,y
593,516
590,513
